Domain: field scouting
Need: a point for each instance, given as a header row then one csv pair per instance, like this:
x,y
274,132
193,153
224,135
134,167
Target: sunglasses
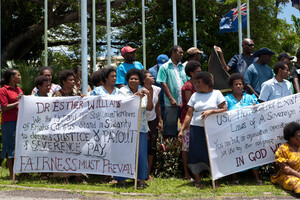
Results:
x,y
250,45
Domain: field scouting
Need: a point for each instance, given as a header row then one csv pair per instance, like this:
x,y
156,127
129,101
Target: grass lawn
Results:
x,y
159,187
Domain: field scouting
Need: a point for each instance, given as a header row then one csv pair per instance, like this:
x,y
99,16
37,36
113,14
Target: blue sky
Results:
x,y
288,11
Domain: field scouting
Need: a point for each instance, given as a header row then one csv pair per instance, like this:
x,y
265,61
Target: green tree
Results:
x,y
23,25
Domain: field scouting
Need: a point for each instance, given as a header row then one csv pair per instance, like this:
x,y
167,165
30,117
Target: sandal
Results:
x,y
236,182
199,185
260,182
121,183
142,185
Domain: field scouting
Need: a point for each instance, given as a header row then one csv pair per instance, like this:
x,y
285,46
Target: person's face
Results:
x,y
48,74
177,55
149,79
296,139
44,88
197,57
17,77
285,72
248,46
129,57
193,73
201,86
111,79
265,58
287,61
134,82
69,83
237,86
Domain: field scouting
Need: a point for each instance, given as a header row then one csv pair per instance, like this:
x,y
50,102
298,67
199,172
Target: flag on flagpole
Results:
x,y
229,22
296,4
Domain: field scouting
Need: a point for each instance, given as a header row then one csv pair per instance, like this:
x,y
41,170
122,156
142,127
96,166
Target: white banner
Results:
x,y
91,135
248,137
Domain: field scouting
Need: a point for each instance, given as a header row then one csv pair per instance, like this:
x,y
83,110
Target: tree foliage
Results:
x,y
23,27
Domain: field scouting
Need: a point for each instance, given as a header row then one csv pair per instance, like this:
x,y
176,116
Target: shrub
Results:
x,y
168,163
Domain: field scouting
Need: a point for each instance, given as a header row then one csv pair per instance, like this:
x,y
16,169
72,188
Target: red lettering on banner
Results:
x,y
41,107
257,155
276,147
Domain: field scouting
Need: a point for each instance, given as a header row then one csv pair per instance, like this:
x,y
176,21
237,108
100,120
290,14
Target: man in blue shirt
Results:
x,y
239,63
128,54
259,71
278,86
161,59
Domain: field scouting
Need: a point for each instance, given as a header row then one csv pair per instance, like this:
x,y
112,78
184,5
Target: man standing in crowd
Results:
x,y
259,71
172,76
239,63
128,54
161,59
295,73
193,54
285,57
277,86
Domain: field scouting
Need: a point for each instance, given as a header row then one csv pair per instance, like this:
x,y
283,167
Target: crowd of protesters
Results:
x,y
172,91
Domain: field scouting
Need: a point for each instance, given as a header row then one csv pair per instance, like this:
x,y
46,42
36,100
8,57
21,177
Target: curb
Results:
x,y
78,191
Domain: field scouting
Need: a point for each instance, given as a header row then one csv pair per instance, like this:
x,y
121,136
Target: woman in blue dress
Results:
x,y
238,99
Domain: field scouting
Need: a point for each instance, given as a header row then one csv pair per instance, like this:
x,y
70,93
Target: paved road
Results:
x,y
60,195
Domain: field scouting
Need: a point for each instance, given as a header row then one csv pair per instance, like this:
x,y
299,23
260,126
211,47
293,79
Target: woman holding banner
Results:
x,y
204,102
108,77
154,118
135,78
10,95
238,99
287,157
67,81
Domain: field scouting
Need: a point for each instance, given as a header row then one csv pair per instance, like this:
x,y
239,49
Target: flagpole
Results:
x,y
194,24
248,18
240,27
84,45
94,34
174,22
144,34
46,33
108,32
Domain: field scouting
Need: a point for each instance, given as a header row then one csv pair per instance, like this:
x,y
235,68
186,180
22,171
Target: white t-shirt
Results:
x,y
125,91
204,101
152,114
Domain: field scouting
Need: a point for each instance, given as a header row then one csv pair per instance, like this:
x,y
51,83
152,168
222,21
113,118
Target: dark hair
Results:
x,y
96,77
64,75
106,71
44,68
135,71
7,75
40,80
144,71
235,76
174,48
278,65
76,69
191,66
290,130
298,54
206,77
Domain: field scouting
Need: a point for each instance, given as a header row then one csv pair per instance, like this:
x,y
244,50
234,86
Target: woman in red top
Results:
x,y
191,69
10,94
